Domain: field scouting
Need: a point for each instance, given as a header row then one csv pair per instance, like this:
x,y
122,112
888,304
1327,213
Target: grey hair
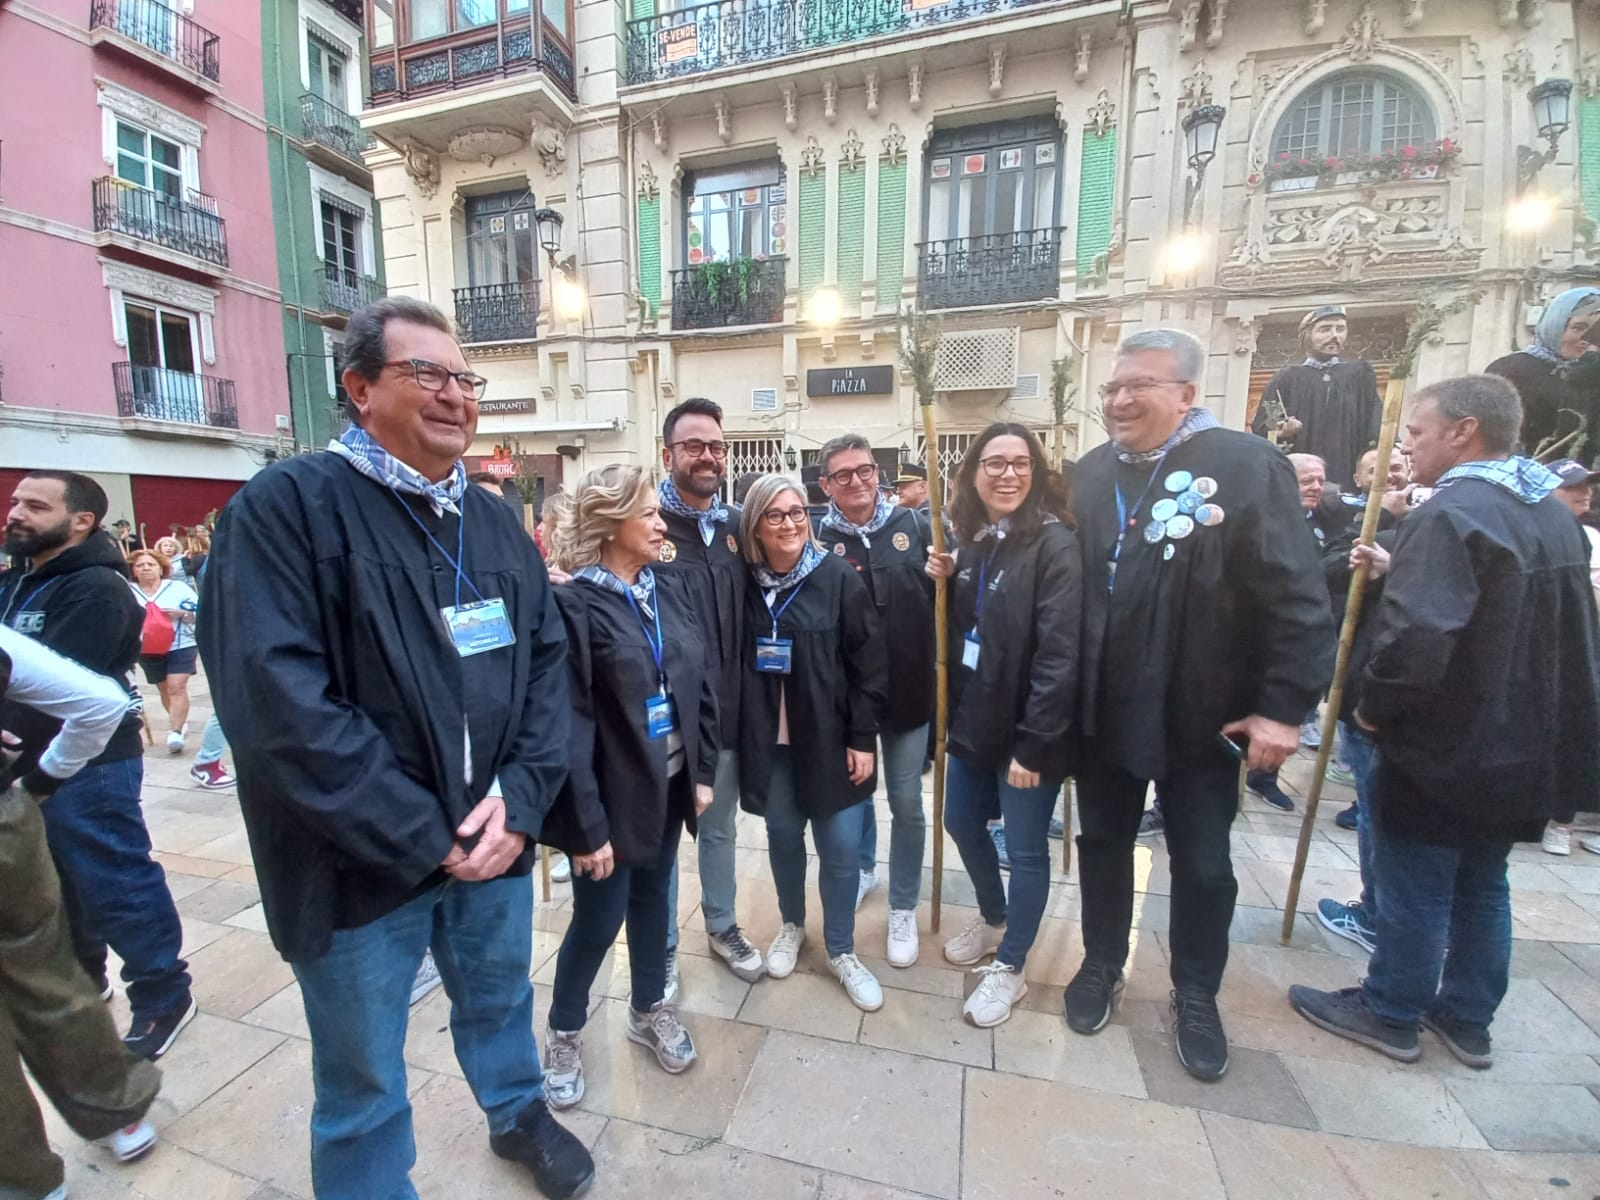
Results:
x,y
838,445
602,501
366,350
1298,459
1188,354
1488,399
756,501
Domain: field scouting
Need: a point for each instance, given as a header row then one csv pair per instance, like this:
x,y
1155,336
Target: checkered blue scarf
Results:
x,y
810,559
834,519
1525,478
357,447
1196,420
644,591
707,518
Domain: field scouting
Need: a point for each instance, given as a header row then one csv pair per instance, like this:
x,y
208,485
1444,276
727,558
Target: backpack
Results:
x,y
159,632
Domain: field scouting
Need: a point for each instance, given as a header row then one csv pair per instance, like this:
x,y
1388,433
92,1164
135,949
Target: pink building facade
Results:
x,y
140,335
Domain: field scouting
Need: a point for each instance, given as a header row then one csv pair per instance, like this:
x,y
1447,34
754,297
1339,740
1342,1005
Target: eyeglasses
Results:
x,y
865,473
777,516
1139,389
432,377
995,467
694,448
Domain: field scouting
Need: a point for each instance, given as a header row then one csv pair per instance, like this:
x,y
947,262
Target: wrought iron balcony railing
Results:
x,y
164,30
497,312
996,268
189,226
344,291
329,125
728,33
714,295
158,394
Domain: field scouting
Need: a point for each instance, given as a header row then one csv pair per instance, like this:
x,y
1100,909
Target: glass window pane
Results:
x,y
938,210
472,13
752,240
1007,203
1044,198
555,16
132,169
165,153
429,18
177,346
168,183
523,250
1350,125
382,23
335,78
719,237
129,138
516,6
143,349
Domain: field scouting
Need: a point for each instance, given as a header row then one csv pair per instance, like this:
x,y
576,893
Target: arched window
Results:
x,y
1354,113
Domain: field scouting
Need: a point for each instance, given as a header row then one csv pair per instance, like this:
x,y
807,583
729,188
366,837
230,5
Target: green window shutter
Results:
x,y
813,232
1096,191
650,252
1589,155
639,9
891,233
852,235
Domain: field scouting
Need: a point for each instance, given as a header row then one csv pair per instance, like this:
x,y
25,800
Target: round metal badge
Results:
x,y
1155,531
733,544
1205,485
1164,509
901,541
1209,514
838,548
1189,501
1180,527
668,551
1179,481
1166,555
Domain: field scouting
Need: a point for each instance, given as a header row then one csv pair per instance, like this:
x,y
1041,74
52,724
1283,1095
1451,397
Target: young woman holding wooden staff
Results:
x,y
1015,611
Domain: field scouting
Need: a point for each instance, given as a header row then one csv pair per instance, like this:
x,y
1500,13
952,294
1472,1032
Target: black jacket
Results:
x,y
834,691
715,577
1549,398
617,788
890,562
1022,701
80,605
347,705
1482,681
1235,622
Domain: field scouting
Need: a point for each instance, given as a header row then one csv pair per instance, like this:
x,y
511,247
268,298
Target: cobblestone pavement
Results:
x,y
798,1094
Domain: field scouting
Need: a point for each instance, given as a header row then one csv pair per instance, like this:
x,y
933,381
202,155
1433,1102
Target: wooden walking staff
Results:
x,y
919,348
1425,320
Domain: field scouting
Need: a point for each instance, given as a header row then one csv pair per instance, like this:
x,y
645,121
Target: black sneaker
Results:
x,y
1347,818
1468,1043
1347,1014
1091,996
1197,1029
151,1037
1266,786
561,1166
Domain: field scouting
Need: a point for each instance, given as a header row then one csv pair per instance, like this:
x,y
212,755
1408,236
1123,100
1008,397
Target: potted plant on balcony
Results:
x,y
726,282
1289,174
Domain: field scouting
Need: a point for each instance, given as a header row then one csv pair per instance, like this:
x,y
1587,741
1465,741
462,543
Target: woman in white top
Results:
x,y
168,672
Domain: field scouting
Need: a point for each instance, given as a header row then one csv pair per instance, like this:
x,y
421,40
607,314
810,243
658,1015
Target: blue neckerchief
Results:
x,y
707,518
1525,478
834,519
357,447
810,559
644,591
1321,362
1196,420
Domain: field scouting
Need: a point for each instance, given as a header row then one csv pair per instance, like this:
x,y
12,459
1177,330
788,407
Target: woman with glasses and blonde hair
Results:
x,y
814,680
643,757
1014,612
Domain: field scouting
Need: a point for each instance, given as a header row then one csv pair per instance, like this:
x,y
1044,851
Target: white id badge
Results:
x,y
969,651
475,628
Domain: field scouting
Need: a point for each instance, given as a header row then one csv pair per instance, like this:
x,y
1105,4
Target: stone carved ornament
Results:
x,y
422,165
551,142
1102,113
1195,88
484,144
852,154
649,184
811,156
894,145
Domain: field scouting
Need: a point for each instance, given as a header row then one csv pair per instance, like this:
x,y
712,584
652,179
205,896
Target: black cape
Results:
x,y
1338,408
1549,400
714,577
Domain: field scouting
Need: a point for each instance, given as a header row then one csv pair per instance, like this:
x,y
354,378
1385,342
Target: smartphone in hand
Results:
x,y
1236,744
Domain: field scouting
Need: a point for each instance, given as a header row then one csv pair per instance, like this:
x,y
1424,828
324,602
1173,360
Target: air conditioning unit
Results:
x,y
763,400
977,360
1027,387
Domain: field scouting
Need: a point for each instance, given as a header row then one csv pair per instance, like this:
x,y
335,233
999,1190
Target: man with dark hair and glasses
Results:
x,y
701,554
387,658
888,546
1207,637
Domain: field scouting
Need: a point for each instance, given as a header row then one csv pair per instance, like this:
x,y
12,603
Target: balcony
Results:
x,y
497,312
161,36
996,268
717,295
138,218
327,127
344,291
157,394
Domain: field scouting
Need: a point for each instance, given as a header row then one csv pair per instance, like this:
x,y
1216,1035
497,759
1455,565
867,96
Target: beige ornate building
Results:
x,y
752,190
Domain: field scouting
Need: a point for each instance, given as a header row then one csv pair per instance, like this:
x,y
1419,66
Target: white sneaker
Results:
x,y
427,978
785,950
903,944
973,943
1311,733
563,1068
132,1143
991,1001
733,948
1557,839
669,993
59,1194
1591,844
869,880
859,983
560,869
175,742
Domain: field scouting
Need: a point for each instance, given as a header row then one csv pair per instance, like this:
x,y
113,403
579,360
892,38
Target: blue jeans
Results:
x,y
357,999
212,743
976,795
838,841
715,832
112,890
903,756
637,894
1362,754
1438,899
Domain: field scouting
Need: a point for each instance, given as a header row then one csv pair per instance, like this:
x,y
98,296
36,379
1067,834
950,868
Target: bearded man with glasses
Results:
x,y
1207,636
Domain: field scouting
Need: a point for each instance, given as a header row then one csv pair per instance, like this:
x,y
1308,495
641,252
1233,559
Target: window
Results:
x,y
149,160
1353,114
327,65
160,337
996,179
382,24
472,13
341,234
500,241
435,18
735,212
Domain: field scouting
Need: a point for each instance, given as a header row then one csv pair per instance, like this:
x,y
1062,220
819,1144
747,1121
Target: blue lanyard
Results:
x,y
656,642
983,575
1125,517
461,545
779,611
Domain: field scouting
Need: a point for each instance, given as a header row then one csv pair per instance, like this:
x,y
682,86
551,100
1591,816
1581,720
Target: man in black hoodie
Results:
x,y
68,587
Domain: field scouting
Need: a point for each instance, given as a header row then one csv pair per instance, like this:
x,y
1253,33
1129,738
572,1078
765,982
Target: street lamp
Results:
x,y
1201,130
1552,116
825,308
790,458
548,221
567,297
1530,212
